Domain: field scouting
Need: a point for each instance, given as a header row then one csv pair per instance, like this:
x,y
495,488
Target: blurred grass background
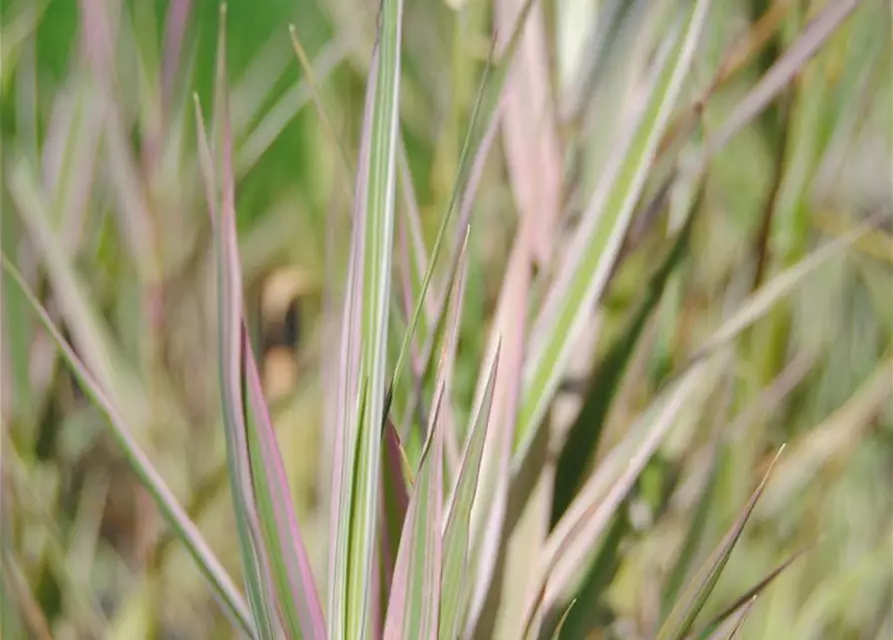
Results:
x,y
102,213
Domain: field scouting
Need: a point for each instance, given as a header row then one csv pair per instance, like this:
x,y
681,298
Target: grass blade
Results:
x,y
457,532
676,577
740,54
561,621
90,335
783,71
400,478
583,618
22,402
767,295
310,78
173,513
352,391
584,275
175,24
261,137
488,515
14,587
488,101
458,187
736,623
692,599
583,436
592,510
229,315
414,604
832,439
744,601
280,550
289,564
491,501
528,122
358,447
590,498
20,24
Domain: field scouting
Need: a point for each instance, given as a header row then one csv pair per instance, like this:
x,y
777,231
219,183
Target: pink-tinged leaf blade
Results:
x,y
174,514
229,315
533,153
589,514
783,71
174,33
351,398
364,346
488,514
290,567
422,298
398,468
281,545
457,533
413,609
682,616
415,592
583,276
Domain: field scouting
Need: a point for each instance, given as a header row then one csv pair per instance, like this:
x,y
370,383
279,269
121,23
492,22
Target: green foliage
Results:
x,y
536,343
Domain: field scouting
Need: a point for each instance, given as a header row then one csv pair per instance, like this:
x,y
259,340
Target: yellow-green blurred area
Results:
x,y
103,214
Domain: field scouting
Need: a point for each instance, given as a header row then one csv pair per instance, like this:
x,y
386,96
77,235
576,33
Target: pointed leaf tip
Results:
x,y
682,616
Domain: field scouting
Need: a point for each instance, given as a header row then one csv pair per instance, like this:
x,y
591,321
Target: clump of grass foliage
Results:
x,y
599,328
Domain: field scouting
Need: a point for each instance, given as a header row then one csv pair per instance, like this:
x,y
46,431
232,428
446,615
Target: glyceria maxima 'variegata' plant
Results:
x,y
427,496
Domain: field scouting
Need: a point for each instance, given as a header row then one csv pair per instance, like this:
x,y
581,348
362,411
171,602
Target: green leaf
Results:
x,y
277,560
414,605
289,563
416,588
736,608
561,622
676,577
364,343
457,534
229,315
693,598
590,513
584,275
580,620
583,435
458,187
171,511
737,622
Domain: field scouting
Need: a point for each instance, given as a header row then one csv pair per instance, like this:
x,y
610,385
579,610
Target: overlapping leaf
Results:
x,y
414,608
358,443
457,531
278,575
692,599
167,503
584,275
